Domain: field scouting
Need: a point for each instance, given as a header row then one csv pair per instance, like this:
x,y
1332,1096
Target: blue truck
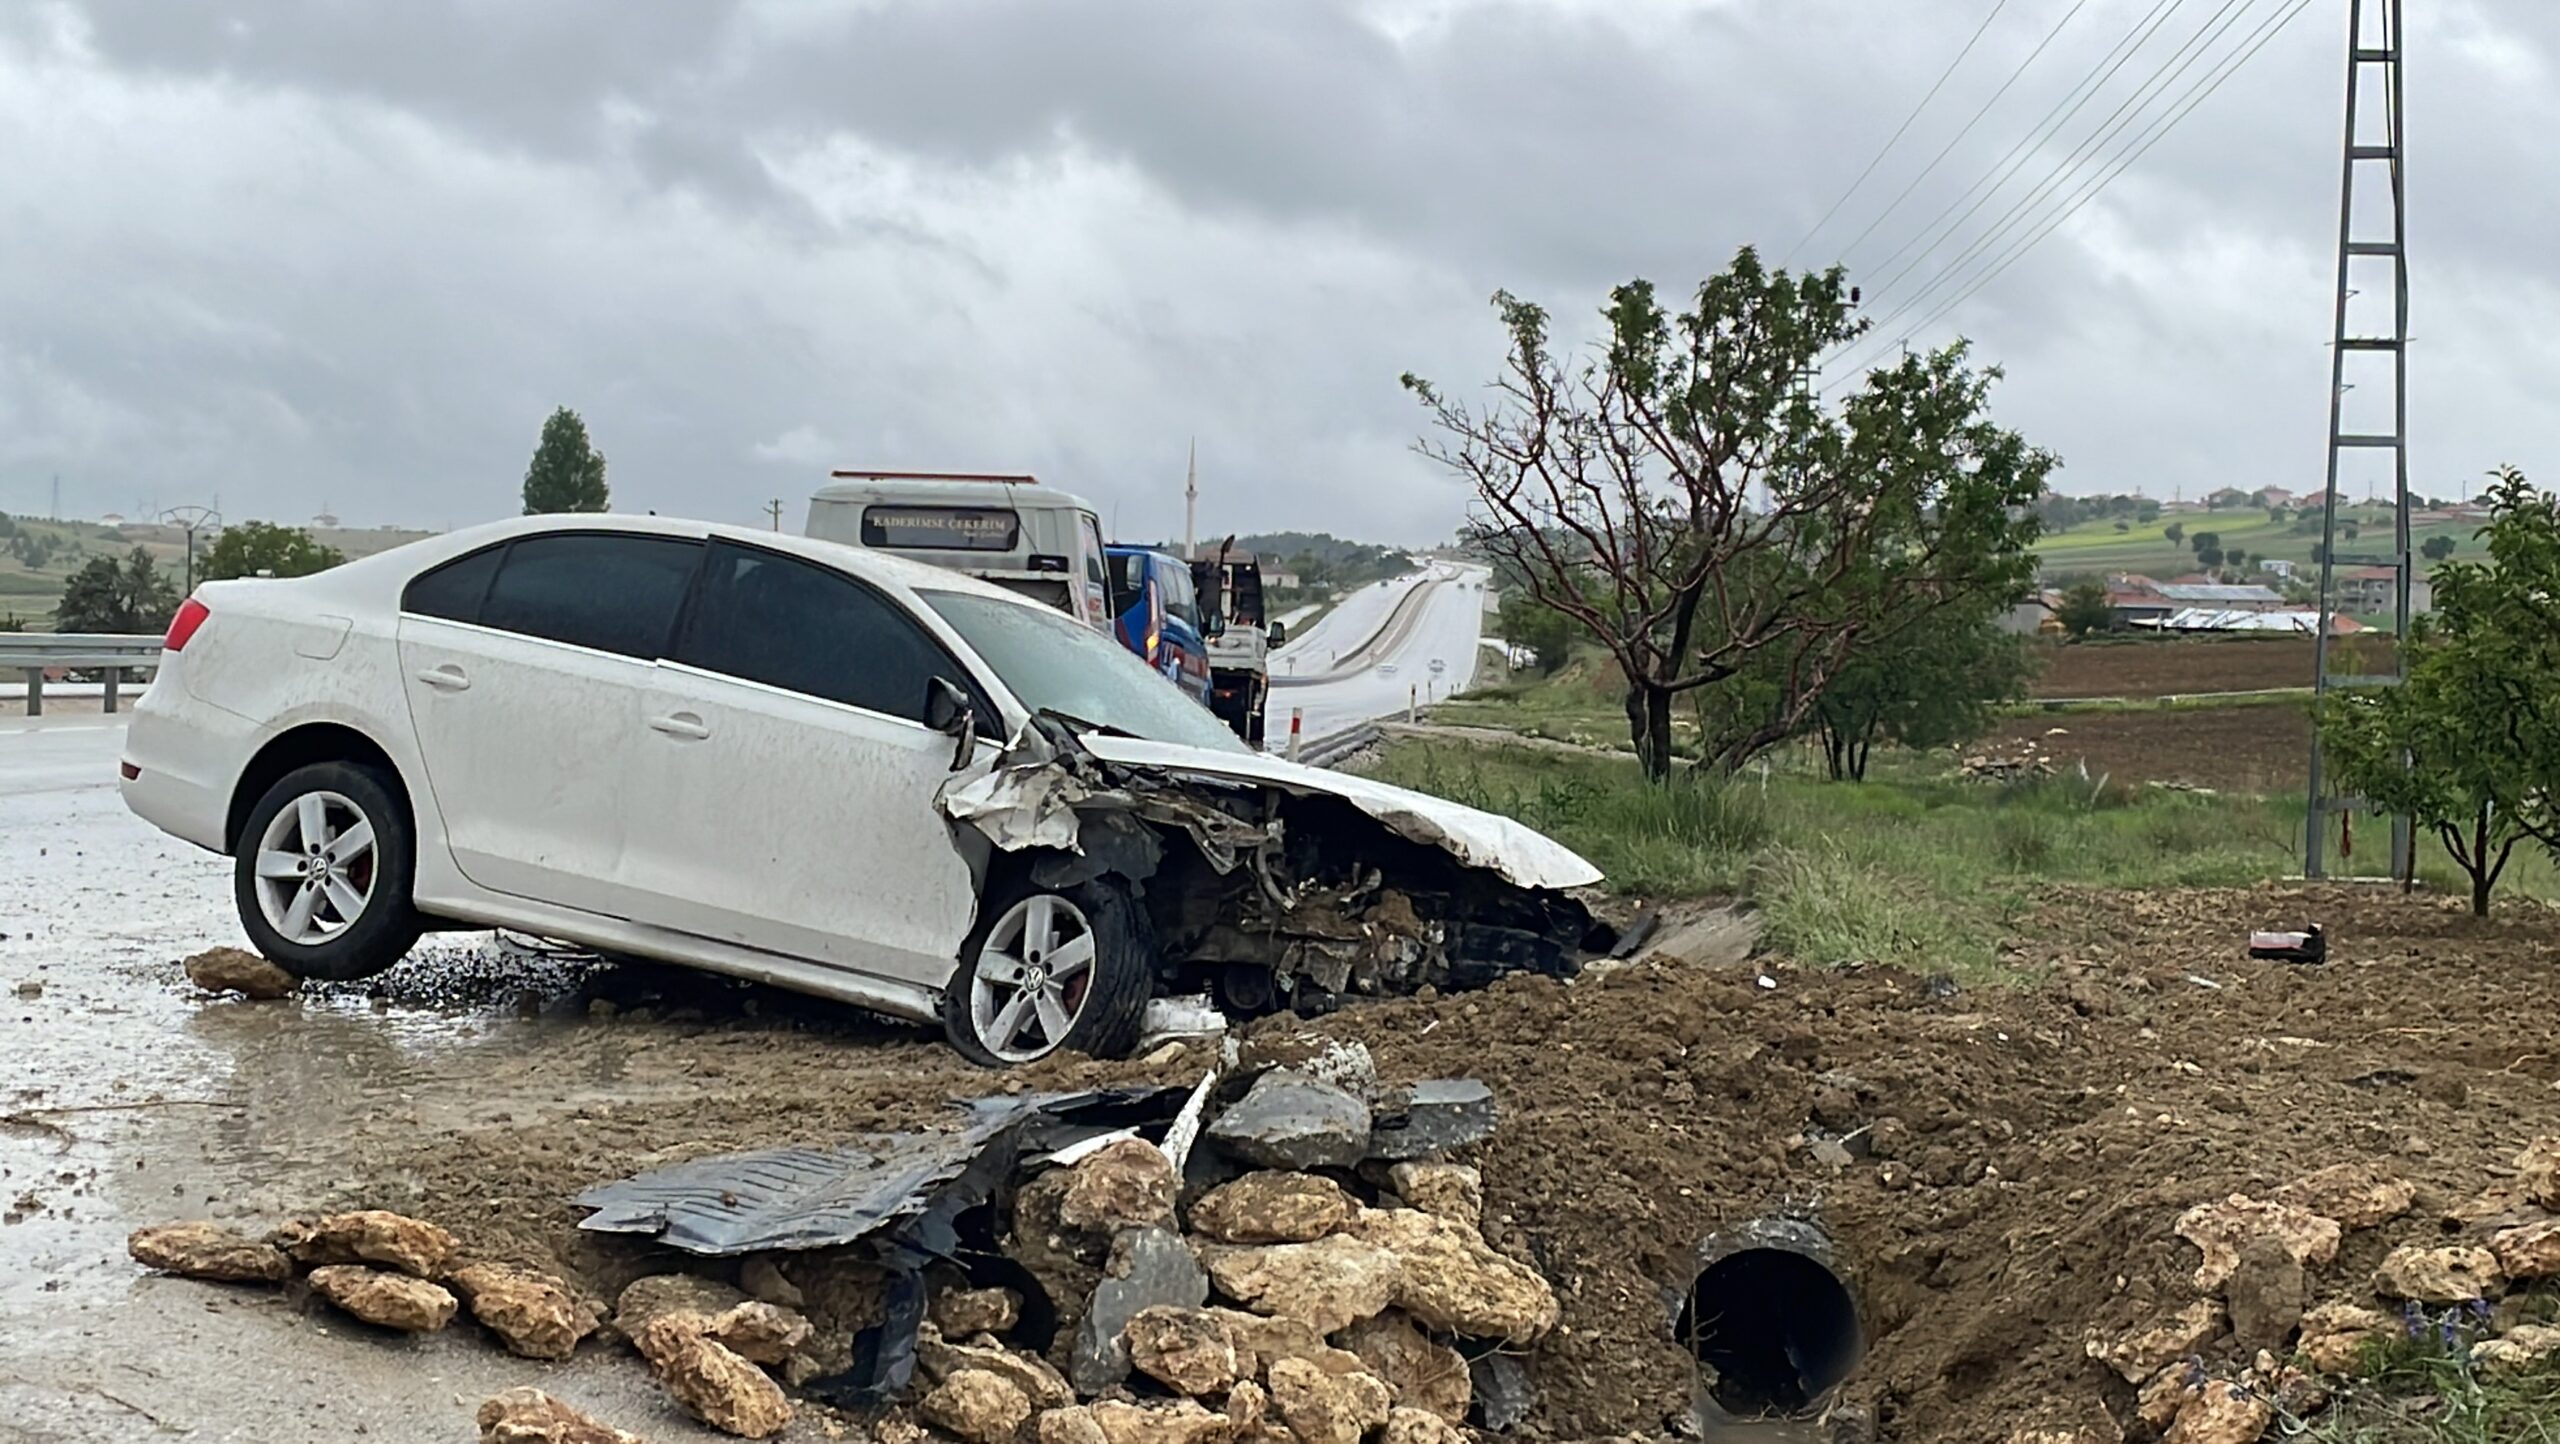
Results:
x,y
1157,614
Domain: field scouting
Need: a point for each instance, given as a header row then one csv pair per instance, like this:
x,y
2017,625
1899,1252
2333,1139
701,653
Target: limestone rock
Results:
x,y
1128,1184
385,1299
1451,1190
1183,1421
1328,1408
2357,1195
2266,1294
1424,1374
208,1251
2334,1336
1420,1426
709,1380
2220,1228
1189,1351
669,1334
2450,1275
644,1300
2137,1355
1149,1267
2539,1166
229,970
1450,1279
1262,1341
759,1332
1290,1121
763,1279
1328,1284
964,1313
1040,1383
530,1416
2518,1348
2530,1252
978,1406
1070,1424
1272,1207
2221,1413
368,1236
533,1314
1248,1405
2157,1403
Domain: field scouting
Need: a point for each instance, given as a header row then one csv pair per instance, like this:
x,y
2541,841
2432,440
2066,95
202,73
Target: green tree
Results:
x,y
105,596
1926,687
2205,541
2469,744
2437,548
1700,517
2085,609
2175,531
2235,557
256,546
1528,622
2208,557
567,474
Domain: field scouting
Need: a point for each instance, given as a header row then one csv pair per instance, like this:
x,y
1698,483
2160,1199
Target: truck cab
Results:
x,y
1240,641
1159,616
1006,529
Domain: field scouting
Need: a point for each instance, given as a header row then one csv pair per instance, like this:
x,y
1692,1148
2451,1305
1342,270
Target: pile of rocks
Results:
x,y
2256,1288
1311,1272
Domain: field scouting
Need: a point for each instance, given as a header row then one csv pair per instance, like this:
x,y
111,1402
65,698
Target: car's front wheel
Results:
x,y
1048,969
322,874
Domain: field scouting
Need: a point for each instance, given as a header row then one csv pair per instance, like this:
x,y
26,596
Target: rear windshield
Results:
x,y
1051,662
941,528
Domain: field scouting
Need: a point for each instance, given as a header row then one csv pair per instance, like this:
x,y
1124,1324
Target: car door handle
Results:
x,y
681,724
447,678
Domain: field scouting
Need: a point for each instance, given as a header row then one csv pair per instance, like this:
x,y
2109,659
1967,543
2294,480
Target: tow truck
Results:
x,y
1240,642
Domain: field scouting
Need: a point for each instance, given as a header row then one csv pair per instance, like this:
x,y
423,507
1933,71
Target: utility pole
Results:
x,y
773,509
1191,505
191,520
2371,55
56,513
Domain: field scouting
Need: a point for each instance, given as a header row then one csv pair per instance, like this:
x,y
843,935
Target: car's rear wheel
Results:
x,y
1049,969
322,873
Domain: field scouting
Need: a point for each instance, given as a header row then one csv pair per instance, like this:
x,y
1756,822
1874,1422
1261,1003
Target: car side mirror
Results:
x,y
947,711
1278,634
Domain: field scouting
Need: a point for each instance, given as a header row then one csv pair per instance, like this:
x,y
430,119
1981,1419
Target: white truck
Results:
x,y
1006,529
1240,641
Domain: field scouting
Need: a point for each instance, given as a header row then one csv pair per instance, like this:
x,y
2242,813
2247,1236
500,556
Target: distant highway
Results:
x,y
1437,613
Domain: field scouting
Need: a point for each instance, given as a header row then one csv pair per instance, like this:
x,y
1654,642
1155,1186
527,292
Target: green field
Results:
x,y
2143,548
29,591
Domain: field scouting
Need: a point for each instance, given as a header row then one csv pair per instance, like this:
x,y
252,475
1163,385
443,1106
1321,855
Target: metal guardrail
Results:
x,y
1333,747
35,653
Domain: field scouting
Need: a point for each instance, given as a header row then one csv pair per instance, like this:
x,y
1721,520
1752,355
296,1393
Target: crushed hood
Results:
x,y
1519,854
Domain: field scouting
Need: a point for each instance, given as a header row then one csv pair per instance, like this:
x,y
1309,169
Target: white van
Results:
x,y
1009,530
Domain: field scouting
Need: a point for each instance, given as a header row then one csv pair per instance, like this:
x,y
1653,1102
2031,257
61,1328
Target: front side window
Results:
x,y
1052,664
793,624
613,591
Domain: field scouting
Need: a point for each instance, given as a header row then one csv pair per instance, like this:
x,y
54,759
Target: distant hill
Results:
x,y
1320,560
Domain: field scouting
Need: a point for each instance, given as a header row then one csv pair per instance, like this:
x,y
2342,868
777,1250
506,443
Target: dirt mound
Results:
x,y
2001,1171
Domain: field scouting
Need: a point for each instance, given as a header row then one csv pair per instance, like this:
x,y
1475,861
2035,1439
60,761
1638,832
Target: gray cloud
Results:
x,y
300,250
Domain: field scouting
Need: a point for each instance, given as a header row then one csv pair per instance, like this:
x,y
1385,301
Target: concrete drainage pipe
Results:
x,y
1771,1322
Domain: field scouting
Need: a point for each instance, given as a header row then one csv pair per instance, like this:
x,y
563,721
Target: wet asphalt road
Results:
x,y
126,1100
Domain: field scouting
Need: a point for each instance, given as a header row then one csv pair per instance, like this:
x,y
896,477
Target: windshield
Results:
x,y
1052,664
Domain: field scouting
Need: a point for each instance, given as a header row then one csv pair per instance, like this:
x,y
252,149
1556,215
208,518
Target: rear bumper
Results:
x,y
181,758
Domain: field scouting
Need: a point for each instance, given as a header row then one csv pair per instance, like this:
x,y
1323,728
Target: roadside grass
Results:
x,y
2420,1390
1908,868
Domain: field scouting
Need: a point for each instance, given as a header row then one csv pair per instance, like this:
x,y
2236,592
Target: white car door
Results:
x,y
525,667
785,787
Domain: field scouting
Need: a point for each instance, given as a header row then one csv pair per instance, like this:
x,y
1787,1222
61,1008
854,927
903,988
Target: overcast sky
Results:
x,y
323,252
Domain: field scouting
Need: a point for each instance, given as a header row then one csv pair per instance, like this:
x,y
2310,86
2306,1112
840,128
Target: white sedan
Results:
x,y
816,766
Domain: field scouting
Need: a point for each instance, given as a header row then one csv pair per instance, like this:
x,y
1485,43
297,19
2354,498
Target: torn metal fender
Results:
x,y
1035,798
1519,854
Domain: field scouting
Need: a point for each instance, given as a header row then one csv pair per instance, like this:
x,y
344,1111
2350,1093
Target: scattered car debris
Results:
x,y
2308,946
1289,1120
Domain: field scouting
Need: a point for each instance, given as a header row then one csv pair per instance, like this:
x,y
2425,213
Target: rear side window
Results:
x,y
613,592
788,623
453,591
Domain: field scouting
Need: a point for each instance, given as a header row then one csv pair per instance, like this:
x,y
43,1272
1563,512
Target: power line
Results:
x,y
1949,148
1895,139
2195,97
2122,118
2054,120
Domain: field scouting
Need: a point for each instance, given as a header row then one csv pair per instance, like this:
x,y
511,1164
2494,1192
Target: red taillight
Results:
x,y
191,615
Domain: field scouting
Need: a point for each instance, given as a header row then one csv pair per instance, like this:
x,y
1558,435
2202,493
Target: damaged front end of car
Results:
x,y
1272,886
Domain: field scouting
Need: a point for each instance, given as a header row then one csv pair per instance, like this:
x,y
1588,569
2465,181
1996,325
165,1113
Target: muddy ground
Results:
x,y
2164,666
2041,1141
2262,748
